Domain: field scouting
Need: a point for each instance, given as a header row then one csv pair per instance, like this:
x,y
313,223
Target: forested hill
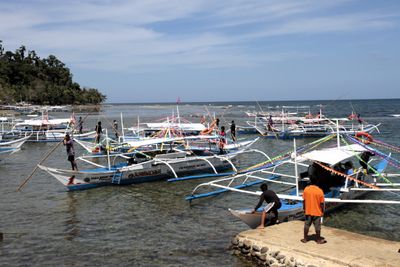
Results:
x,y
24,76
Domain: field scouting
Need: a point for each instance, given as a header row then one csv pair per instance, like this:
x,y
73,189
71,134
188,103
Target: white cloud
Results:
x,y
140,35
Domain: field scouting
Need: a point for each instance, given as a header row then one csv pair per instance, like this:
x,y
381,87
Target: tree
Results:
x,y
24,76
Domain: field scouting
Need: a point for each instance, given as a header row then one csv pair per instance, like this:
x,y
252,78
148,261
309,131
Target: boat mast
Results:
x,y
296,171
108,151
337,133
138,129
178,116
122,128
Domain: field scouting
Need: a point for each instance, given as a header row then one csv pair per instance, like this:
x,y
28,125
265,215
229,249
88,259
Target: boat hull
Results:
x,y
153,170
293,210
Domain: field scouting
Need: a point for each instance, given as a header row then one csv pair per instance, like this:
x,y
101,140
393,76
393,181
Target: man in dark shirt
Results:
x,y
270,124
99,130
80,125
364,159
115,127
69,145
233,131
270,197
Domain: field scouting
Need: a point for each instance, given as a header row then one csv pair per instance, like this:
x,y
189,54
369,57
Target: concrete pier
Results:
x,y
279,245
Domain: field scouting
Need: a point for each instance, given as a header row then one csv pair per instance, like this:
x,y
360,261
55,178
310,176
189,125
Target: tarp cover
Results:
x,y
333,155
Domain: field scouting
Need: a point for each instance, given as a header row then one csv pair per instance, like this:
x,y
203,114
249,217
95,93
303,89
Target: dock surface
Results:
x,y
343,248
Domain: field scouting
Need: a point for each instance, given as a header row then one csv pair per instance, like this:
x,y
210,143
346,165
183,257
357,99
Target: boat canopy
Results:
x,y
43,122
154,141
333,155
183,126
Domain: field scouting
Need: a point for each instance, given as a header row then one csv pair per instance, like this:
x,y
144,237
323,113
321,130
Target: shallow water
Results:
x,y
151,224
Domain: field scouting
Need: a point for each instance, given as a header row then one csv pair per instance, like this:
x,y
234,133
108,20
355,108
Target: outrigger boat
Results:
x,y
303,130
208,143
47,130
339,187
8,147
291,125
150,165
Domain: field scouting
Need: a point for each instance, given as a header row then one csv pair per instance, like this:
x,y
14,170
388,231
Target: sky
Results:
x,y
207,50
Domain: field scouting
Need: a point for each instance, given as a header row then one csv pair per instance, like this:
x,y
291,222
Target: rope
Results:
x,y
346,176
371,150
385,145
392,161
287,154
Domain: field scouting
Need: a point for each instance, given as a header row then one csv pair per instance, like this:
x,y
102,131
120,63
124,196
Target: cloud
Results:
x,y
158,34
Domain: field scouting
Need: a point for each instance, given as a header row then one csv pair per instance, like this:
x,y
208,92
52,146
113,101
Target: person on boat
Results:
x,y
268,196
322,177
314,208
359,120
203,120
222,140
364,159
270,124
69,145
233,131
115,127
348,170
80,125
98,132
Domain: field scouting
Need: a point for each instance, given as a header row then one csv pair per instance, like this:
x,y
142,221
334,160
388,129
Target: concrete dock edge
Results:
x,y
279,246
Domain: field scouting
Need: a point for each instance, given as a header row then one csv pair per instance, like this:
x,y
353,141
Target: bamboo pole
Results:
x,y
44,158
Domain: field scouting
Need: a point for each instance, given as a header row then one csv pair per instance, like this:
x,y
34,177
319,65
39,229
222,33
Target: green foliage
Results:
x,y
26,77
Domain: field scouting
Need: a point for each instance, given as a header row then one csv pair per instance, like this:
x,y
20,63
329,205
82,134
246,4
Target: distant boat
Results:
x,y
395,115
47,130
11,146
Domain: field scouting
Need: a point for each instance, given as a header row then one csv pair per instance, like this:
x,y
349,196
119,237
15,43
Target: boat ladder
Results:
x,y
116,179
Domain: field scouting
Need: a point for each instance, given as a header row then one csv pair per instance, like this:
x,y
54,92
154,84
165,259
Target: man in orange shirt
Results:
x,y
314,207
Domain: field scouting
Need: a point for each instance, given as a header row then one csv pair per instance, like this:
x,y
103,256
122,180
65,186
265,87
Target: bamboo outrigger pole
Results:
x,y
44,158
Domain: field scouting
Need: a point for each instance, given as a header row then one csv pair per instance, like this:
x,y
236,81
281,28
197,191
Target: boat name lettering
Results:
x,y
192,166
144,173
108,177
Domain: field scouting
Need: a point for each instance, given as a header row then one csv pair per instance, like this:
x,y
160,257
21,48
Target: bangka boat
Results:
x,y
47,130
140,166
8,147
286,172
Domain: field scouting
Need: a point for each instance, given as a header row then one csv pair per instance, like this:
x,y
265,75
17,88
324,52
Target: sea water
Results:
x,y
151,224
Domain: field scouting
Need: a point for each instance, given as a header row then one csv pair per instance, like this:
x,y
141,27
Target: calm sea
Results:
x,y
151,224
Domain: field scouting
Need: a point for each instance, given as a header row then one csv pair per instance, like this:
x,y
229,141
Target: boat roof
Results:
x,y
40,122
332,155
153,141
183,126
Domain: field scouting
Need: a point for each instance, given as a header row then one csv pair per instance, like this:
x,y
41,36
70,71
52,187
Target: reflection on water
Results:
x,y
72,222
151,224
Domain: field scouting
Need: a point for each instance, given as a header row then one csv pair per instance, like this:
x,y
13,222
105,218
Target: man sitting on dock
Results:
x,y
270,197
314,207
